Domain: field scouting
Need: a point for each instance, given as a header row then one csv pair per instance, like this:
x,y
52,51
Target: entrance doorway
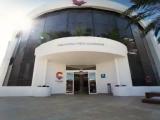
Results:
x,y
81,83
81,79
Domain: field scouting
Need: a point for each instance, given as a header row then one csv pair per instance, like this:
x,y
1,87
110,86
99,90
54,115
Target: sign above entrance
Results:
x,y
81,43
79,2
69,45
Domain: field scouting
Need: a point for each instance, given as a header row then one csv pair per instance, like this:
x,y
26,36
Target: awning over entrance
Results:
x,y
81,58
94,48
82,51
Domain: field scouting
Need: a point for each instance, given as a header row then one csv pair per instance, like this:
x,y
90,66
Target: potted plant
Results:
x,y
41,91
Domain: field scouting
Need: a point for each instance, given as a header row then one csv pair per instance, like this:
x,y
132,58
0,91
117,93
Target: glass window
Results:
x,y
103,22
91,76
37,29
144,59
70,83
80,22
70,76
92,82
123,27
56,22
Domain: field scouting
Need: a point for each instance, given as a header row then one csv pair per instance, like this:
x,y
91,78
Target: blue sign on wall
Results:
x,y
103,75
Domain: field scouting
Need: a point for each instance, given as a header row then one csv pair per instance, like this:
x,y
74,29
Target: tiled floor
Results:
x,y
79,107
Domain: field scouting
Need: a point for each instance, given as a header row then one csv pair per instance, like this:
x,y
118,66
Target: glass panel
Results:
x,y
92,76
22,70
149,76
103,22
69,83
80,22
123,27
56,21
92,82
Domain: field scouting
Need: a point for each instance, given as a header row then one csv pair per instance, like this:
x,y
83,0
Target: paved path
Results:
x,y
80,107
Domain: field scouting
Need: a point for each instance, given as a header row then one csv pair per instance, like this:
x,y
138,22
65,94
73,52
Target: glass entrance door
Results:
x,y
81,82
70,83
92,82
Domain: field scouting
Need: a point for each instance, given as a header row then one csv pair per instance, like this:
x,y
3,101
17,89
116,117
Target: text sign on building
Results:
x,y
82,44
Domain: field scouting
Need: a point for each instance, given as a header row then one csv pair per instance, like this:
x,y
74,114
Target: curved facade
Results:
x,y
82,22
66,40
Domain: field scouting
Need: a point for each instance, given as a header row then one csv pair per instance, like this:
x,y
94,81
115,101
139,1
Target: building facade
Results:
x,y
83,47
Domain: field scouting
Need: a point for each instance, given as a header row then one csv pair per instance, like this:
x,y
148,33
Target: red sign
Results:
x,y
59,75
79,2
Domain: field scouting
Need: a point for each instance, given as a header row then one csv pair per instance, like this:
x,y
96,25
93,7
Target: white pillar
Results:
x,y
123,71
39,73
117,72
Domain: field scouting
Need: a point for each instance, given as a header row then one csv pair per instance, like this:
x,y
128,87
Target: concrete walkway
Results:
x,y
80,107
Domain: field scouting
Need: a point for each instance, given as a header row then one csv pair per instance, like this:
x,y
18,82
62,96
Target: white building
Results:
x,y
81,48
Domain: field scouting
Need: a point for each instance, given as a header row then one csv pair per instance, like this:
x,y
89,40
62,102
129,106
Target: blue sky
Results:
x,y
125,2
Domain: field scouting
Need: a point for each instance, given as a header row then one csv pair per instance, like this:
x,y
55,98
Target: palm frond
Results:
x,y
144,3
130,10
154,24
145,9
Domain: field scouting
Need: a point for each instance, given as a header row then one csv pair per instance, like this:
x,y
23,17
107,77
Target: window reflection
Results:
x,y
80,20
69,83
104,22
131,45
56,22
92,82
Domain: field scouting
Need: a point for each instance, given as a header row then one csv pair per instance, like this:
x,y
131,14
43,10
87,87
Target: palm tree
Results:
x,y
145,9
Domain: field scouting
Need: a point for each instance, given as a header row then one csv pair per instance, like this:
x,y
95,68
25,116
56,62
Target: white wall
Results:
x,y
123,71
134,91
15,91
51,80
40,69
43,92
107,68
24,91
117,72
